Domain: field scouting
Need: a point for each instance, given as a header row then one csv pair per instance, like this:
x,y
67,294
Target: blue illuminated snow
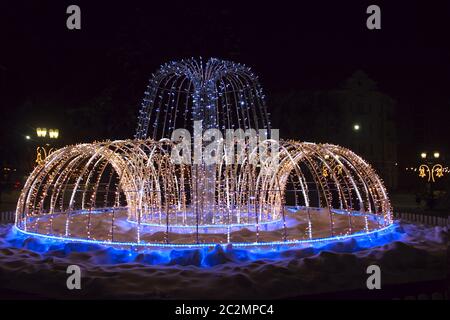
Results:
x,y
201,257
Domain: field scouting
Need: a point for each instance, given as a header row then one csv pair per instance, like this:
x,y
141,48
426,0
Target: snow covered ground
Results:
x,y
411,253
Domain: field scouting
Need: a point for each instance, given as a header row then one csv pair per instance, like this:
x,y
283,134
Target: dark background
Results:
x,y
89,82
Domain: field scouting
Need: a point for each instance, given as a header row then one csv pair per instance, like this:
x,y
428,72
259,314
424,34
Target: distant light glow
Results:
x,y
53,133
41,132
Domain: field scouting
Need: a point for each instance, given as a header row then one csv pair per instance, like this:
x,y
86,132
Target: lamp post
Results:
x,y
46,136
430,170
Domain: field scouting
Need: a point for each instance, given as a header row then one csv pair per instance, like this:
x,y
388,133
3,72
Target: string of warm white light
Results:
x,y
139,174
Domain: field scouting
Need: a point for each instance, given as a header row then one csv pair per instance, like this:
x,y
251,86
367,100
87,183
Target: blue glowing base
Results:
x,y
409,252
302,226
362,235
203,255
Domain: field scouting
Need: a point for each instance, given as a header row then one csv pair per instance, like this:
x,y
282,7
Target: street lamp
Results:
x,y
43,151
41,132
432,171
53,133
356,127
27,137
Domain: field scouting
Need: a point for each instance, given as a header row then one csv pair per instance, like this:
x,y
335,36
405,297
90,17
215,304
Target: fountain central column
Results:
x,y
204,175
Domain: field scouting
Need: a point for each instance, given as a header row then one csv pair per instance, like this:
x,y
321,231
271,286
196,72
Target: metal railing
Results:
x,y
427,219
7,217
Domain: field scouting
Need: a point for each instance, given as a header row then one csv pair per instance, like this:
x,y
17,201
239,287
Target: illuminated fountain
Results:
x,y
133,192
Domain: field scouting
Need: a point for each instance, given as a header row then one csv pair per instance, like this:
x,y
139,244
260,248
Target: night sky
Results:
x,y
51,75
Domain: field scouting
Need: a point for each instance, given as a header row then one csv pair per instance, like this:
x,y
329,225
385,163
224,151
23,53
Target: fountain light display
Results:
x,y
132,192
